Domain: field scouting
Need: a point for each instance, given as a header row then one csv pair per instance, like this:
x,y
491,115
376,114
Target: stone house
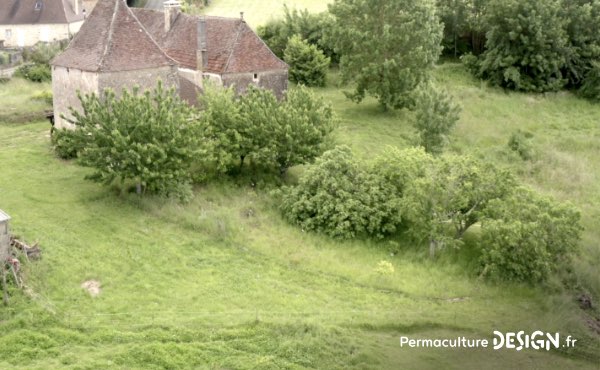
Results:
x,y
24,23
121,47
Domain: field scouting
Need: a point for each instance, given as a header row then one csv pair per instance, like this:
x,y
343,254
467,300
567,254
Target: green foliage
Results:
x,y
307,63
463,26
272,134
582,20
387,47
34,72
339,198
436,116
526,45
520,142
67,143
590,89
452,196
526,236
310,27
45,96
147,138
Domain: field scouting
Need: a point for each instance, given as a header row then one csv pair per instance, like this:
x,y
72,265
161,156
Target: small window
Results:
x,y
8,34
38,5
255,77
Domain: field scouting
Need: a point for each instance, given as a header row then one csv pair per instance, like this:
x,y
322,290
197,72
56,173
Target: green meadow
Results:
x,y
224,282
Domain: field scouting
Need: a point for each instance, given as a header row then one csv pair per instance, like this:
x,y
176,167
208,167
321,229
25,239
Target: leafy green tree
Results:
x,y
311,27
387,47
527,45
436,116
270,133
338,197
307,63
220,114
526,236
305,123
463,28
442,205
149,139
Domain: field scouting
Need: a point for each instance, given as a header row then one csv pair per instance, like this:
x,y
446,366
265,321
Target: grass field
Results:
x,y
224,282
258,12
20,100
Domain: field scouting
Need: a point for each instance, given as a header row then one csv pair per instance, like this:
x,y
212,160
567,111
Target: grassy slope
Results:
x,y
224,282
258,12
18,102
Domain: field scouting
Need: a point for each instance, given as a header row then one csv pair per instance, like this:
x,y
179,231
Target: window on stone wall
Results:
x,y
255,77
8,34
38,5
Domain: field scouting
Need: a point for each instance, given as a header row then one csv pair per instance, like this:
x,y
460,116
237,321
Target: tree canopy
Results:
x,y
386,47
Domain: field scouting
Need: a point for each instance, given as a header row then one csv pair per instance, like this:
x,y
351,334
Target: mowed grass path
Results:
x,y
258,12
223,282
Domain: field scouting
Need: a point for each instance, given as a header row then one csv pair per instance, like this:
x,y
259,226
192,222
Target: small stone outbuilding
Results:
x,y
121,47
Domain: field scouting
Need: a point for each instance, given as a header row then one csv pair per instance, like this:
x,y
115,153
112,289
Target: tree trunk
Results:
x,y
432,247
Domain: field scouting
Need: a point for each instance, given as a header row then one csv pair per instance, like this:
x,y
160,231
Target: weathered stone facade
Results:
x,y
66,82
24,35
277,81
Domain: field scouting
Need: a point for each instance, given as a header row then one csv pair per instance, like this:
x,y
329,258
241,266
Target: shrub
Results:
x,y
67,143
436,116
590,89
34,72
339,198
526,236
308,65
520,142
45,96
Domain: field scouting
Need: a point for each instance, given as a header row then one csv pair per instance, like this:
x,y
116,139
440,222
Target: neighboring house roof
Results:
x,y
38,12
112,40
231,45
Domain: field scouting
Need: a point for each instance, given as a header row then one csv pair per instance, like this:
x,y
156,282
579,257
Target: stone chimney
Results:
x,y
201,59
77,6
171,9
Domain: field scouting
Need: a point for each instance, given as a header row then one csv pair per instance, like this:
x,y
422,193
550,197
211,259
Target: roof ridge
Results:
x,y
232,46
152,38
110,34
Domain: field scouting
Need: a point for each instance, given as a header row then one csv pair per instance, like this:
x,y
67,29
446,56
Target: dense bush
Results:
x,y
526,236
590,89
311,27
526,46
270,133
436,116
520,142
387,47
147,139
34,72
67,143
307,63
338,197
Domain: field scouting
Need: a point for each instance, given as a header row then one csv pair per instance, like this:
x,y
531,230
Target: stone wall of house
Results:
x,y
24,35
65,84
273,80
146,79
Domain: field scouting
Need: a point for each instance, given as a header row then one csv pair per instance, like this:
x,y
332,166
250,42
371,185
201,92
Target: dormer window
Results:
x,y
38,5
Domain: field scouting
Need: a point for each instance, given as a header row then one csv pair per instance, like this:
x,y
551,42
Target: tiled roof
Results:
x,y
232,46
38,12
110,40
